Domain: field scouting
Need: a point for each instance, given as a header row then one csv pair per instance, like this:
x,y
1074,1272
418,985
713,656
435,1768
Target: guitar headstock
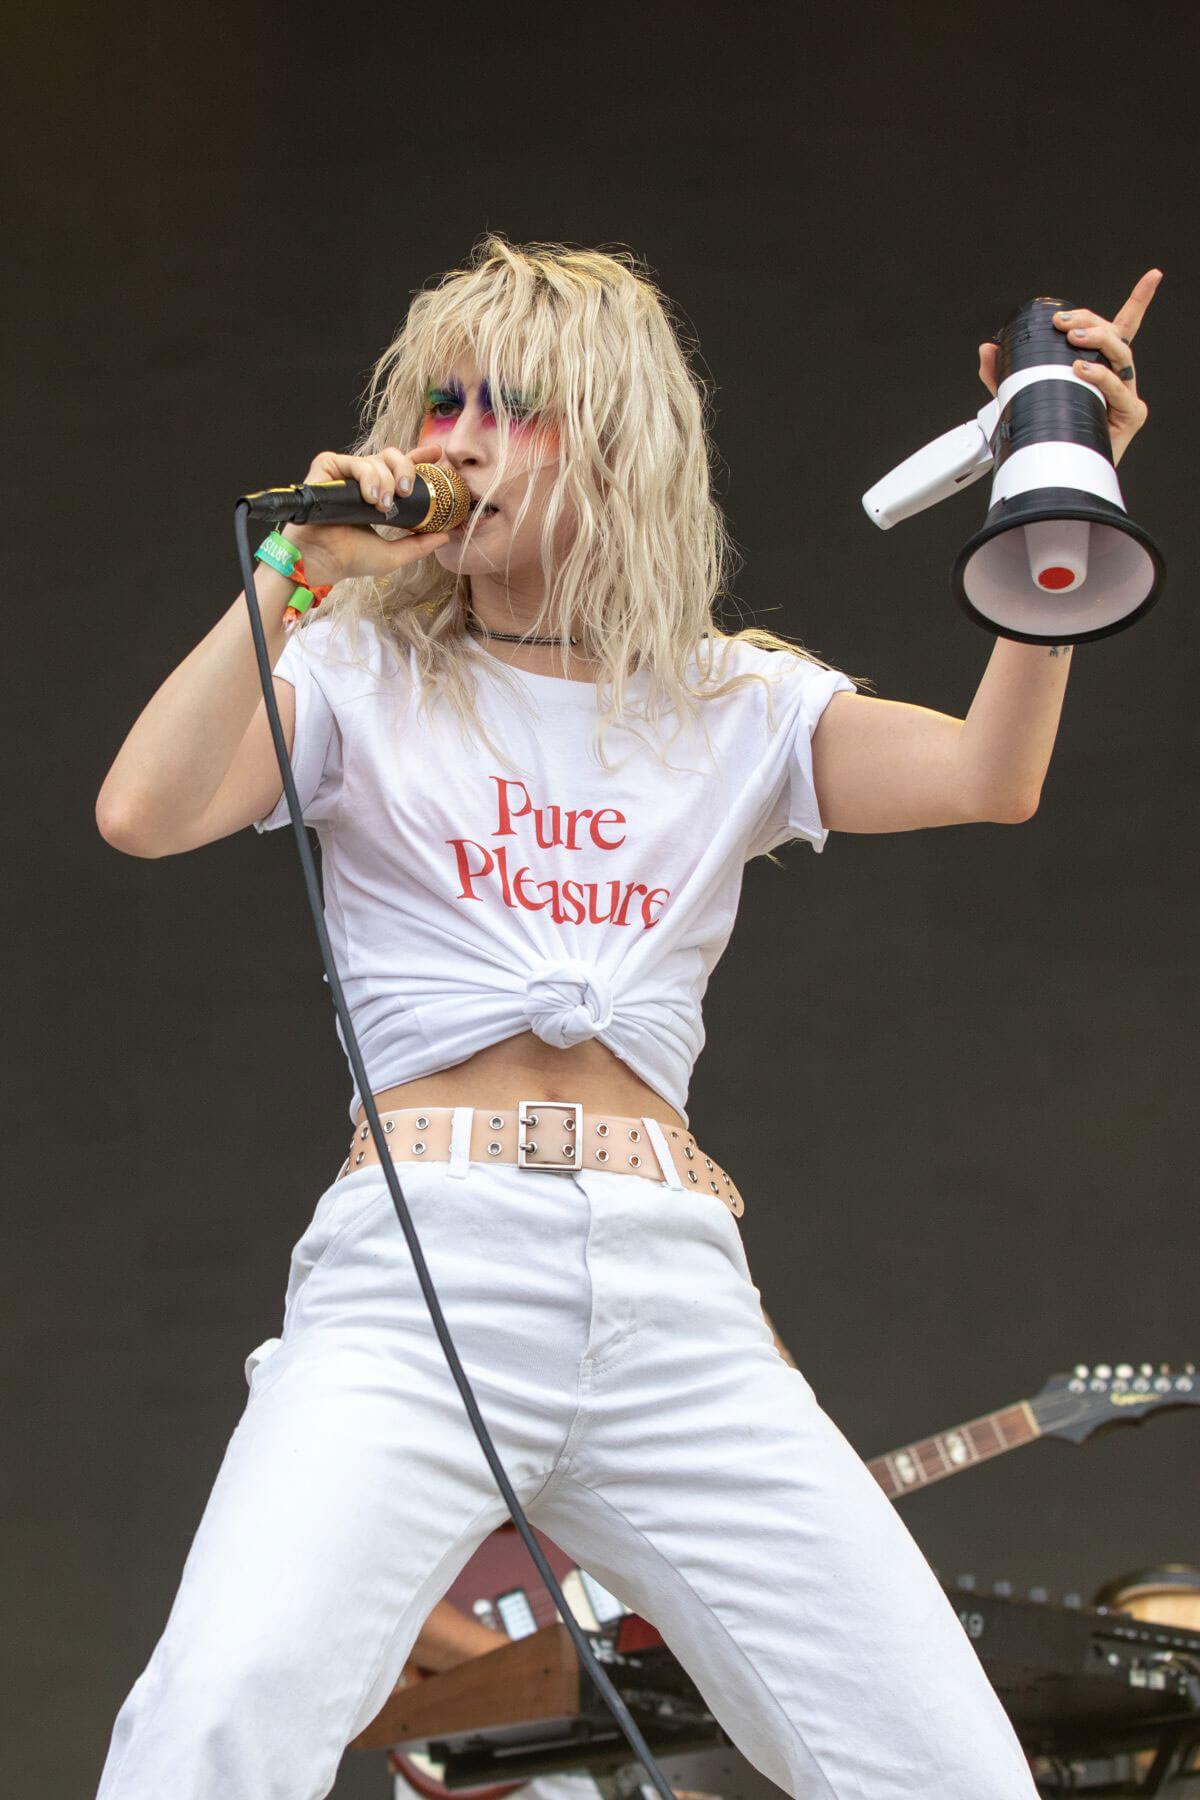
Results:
x,y
1094,1396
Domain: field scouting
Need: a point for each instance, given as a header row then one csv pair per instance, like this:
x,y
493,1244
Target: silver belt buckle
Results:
x,y
559,1142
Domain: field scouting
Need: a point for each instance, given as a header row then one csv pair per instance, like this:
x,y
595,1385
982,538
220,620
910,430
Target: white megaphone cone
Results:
x,y
1058,560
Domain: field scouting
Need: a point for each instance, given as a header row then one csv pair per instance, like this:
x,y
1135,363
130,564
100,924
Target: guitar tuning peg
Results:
x,y
1145,1368
1124,1371
1102,1371
1072,1600
966,1581
1002,1589
1189,1368
1082,1370
1039,1594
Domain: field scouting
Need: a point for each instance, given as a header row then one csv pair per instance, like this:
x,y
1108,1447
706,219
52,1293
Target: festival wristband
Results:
x,y
287,560
278,553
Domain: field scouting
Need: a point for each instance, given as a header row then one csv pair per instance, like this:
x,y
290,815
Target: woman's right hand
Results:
x,y
333,553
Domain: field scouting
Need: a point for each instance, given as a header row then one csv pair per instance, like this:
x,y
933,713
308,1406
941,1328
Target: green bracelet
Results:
x,y
278,553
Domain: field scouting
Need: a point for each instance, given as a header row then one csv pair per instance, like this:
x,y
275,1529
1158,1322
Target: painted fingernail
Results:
x,y
1064,318
372,493
405,484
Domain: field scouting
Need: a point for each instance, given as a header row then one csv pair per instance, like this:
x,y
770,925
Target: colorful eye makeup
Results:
x,y
514,404
445,400
444,403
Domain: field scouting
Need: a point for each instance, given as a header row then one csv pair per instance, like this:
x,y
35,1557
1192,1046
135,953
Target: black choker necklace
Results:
x,y
476,625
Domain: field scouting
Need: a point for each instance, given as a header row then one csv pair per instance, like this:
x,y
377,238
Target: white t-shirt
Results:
x,y
467,901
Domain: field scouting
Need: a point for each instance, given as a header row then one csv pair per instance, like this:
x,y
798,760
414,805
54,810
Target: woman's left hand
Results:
x,y
1115,377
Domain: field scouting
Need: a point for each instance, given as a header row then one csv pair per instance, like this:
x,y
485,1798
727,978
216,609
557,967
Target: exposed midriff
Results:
x,y
525,1068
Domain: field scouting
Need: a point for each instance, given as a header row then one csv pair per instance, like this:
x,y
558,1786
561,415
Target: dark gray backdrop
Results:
x,y
971,1050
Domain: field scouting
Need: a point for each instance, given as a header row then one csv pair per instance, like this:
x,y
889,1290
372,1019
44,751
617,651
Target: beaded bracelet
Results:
x,y
286,559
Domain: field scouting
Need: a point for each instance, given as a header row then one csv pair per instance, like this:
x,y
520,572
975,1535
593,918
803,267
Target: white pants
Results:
x,y
617,1349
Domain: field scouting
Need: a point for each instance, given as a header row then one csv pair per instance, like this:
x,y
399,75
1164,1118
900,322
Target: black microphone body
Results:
x,y
440,499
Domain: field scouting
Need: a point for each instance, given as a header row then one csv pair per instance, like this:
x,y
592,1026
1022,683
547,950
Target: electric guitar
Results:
x,y
1075,1406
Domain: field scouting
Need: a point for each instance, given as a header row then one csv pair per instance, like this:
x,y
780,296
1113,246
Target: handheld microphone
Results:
x,y
440,499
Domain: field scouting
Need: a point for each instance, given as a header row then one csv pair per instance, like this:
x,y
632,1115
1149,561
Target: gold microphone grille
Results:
x,y
449,498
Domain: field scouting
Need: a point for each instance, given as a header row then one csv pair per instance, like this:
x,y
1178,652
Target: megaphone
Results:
x,y
1058,560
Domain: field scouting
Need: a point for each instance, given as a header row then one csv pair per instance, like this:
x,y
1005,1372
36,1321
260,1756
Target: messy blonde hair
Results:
x,y
589,336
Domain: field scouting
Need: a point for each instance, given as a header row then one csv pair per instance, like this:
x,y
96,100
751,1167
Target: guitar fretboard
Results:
x,y
916,1465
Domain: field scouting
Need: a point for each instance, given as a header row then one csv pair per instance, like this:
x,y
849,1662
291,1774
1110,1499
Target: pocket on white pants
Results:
x,y
338,1211
259,1354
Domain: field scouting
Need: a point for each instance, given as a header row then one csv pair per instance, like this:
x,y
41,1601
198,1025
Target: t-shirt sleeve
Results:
x,y
801,694
317,743
817,690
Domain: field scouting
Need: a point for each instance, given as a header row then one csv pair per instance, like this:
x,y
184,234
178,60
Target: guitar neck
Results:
x,y
932,1459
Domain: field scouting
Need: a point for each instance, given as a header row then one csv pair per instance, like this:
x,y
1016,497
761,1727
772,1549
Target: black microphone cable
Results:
x,y
586,1654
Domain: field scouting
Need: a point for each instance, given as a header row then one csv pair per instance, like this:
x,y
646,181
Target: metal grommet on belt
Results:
x,y
422,1123
418,1148
602,1131
495,1149
360,1156
389,1124
496,1122
602,1156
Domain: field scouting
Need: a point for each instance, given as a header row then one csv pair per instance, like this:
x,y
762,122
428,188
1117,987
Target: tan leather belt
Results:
x,y
552,1136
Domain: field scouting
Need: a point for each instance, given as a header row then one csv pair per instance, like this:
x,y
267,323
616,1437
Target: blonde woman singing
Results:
x,y
537,768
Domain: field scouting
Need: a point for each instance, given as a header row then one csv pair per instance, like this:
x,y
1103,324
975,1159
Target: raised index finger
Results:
x,y
1134,309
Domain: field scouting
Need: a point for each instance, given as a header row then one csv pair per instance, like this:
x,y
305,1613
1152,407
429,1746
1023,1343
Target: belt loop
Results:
x,y
460,1141
666,1161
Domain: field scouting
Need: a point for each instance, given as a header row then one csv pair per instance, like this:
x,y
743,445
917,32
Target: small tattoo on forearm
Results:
x,y
1061,649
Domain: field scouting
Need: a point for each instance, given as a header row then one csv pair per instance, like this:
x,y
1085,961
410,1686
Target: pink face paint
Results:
x,y
433,428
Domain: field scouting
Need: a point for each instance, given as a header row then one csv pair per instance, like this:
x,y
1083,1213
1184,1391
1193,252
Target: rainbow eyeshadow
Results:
x,y
445,400
518,408
443,403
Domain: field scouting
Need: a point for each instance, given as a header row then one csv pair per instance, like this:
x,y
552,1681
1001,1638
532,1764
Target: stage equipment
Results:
x,y
1075,1681
439,501
1166,1595
242,513
1057,560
